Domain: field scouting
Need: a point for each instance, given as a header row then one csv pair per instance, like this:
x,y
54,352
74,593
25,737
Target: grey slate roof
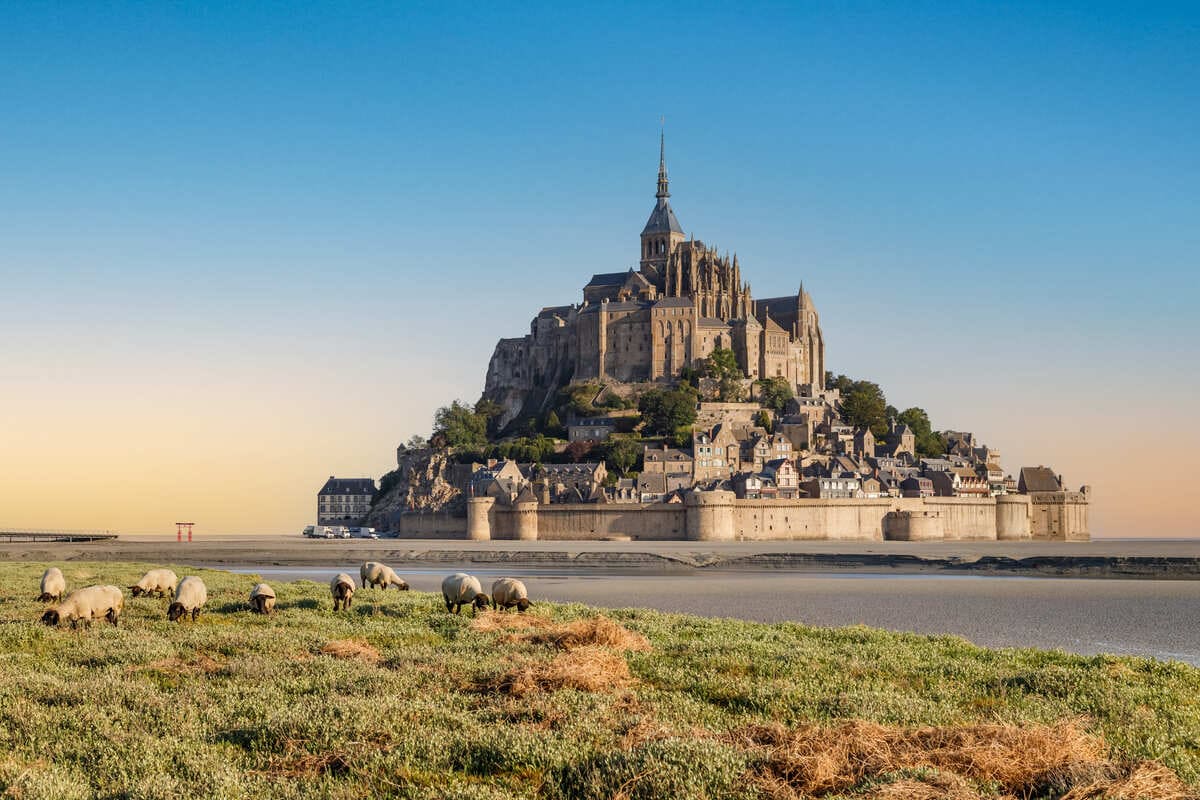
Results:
x,y
1038,479
674,302
712,322
608,279
348,486
662,219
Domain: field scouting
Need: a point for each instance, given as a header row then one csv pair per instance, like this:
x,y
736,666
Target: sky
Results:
x,y
244,247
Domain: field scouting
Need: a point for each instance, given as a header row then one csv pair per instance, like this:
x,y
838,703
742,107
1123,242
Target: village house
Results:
x,y
344,501
573,483
826,486
782,473
590,429
916,486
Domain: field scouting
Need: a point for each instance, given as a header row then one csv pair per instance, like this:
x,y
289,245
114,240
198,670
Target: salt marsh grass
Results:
x,y
397,698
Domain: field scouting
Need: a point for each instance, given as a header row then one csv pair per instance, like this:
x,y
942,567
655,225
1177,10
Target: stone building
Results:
x,y
344,501
683,301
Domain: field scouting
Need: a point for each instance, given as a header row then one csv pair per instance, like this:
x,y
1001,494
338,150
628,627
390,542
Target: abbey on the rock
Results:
x,y
684,301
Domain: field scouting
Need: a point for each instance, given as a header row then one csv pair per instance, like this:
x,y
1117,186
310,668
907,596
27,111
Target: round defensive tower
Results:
x,y
1012,517
709,516
479,518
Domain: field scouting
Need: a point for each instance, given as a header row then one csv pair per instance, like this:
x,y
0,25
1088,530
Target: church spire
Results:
x,y
662,164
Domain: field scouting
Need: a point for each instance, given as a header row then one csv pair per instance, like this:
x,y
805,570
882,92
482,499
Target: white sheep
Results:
x,y
87,604
460,589
342,589
509,592
54,585
156,581
262,599
375,574
190,595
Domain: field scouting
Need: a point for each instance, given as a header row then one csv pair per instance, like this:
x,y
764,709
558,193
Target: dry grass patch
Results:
x,y
587,669
352,649
197,664
815,760
1146,780
597,631
933,787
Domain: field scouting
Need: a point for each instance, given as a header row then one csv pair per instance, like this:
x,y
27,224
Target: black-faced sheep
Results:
x,y
190,595
460,589
87,604
262,599
54,586
375,574
157,581
342,589
510,592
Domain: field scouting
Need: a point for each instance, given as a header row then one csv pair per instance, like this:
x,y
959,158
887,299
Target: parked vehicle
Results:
x,y
363,533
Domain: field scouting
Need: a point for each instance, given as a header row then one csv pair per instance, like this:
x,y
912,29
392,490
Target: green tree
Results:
x,y
774,393
665,410
722,367
623,454
491,412
460,427
553,424
929,443
681,436
763,420
864,406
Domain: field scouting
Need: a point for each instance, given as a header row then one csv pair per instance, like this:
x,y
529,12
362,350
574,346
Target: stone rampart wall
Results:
x,y
590,521
719,516
430,526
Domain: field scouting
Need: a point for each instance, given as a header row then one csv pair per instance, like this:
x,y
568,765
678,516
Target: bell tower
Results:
x,y
663,231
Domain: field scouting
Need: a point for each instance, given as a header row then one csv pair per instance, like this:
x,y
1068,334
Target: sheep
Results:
x,y
342,589
190,595
87,604
156,581
375,574
460,589
509,592
262,599
54,586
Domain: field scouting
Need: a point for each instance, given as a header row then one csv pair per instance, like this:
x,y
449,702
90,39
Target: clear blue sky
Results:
x,y
204,207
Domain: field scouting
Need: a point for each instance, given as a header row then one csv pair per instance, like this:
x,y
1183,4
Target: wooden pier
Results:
x,y
37,535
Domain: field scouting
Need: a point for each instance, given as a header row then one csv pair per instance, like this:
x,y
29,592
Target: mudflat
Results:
x,y
1112,558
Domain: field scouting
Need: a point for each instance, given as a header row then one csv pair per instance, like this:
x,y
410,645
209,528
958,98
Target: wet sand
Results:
x,y
1140,617
930,588
1115,558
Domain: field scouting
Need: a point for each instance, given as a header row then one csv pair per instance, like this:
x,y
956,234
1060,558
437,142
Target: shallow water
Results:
x,y
1128,617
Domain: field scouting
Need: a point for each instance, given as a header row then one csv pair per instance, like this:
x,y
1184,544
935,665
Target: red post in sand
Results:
x,y
179,528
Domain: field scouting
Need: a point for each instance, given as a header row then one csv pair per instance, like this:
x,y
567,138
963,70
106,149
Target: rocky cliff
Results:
x,y
422,482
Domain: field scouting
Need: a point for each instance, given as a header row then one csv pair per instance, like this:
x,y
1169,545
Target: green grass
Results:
x,y
238,705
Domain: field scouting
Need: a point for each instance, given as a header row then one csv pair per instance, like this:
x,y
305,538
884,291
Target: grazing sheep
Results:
x,y
190,595
509,592
375,574
342,589
262,599
87,604
156,581
54,585
460,589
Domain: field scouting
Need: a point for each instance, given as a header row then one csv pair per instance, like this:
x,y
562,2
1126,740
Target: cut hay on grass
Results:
x,y
359,649
597,631
814,760
587,669
1146,780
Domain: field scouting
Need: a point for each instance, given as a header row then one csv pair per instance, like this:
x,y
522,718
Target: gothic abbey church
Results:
x,y
646,325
